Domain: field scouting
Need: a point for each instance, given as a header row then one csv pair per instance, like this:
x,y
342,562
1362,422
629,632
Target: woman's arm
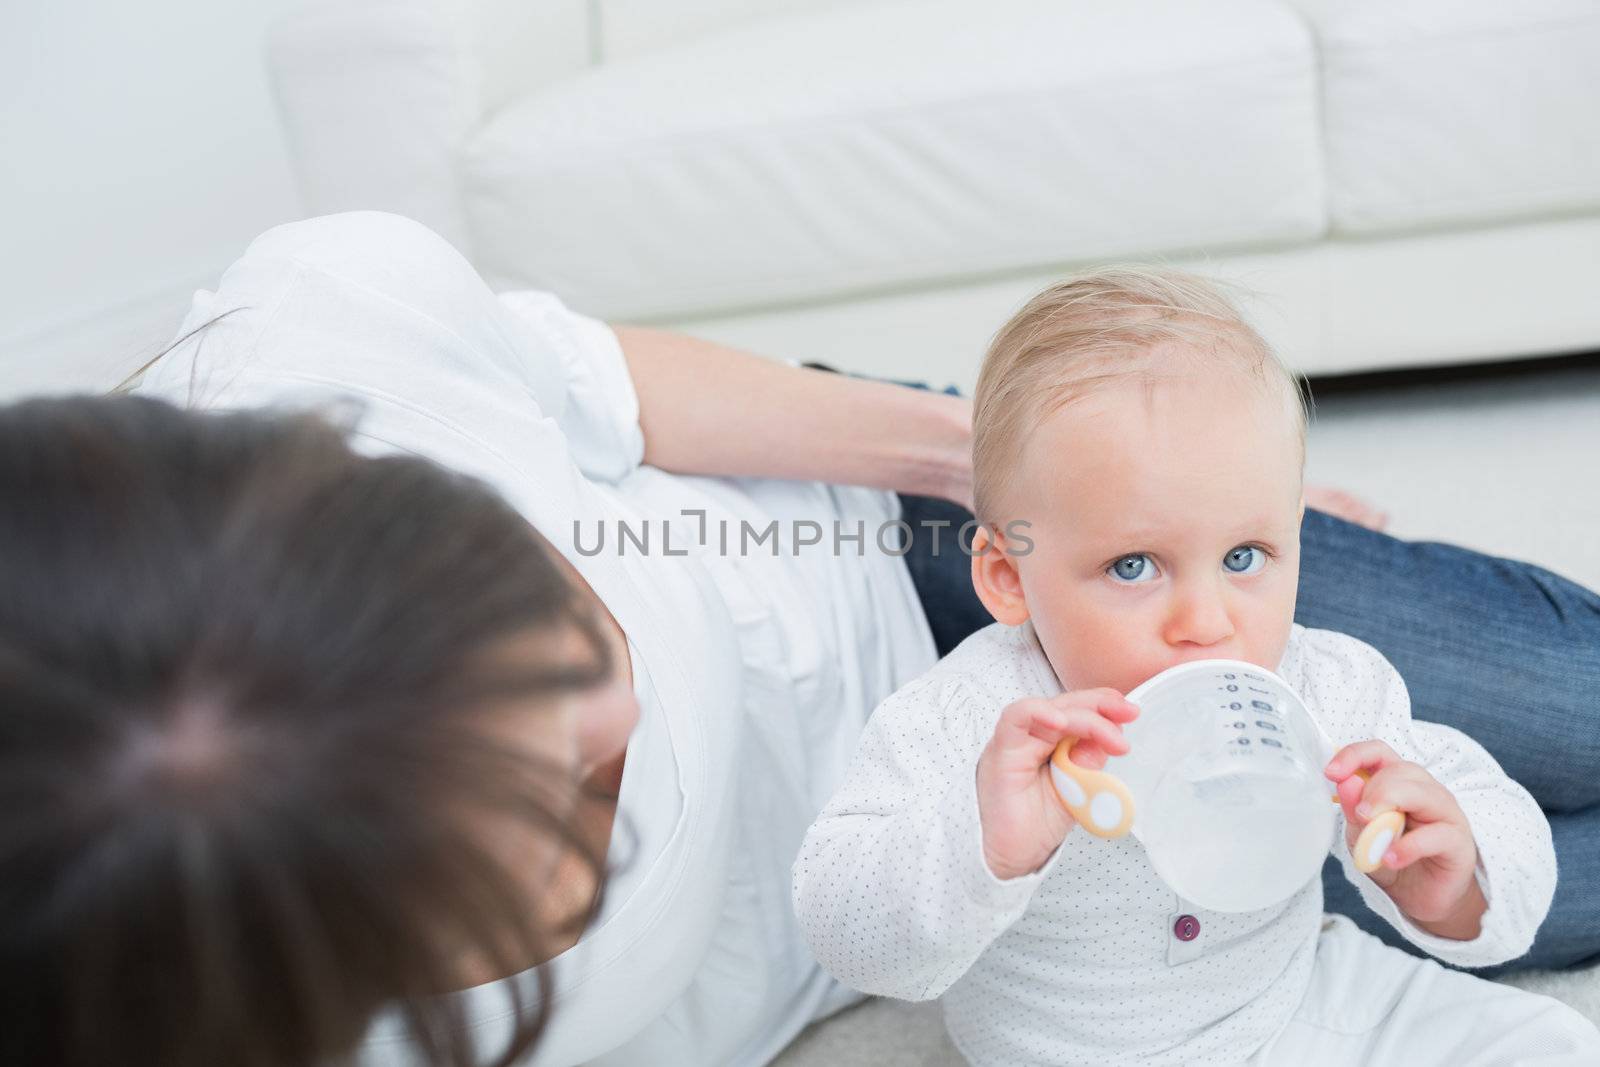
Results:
x,y
708,409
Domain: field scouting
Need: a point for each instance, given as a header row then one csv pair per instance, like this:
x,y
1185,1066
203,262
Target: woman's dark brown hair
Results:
x,y
243,677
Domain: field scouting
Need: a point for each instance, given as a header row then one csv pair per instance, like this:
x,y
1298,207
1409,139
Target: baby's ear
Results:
x,y
995,577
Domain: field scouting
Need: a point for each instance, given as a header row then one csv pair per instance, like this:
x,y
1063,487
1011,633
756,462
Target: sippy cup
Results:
x,y
1222,784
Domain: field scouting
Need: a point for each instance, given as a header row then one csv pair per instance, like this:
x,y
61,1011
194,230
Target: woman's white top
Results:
x,y
755,672
1092,959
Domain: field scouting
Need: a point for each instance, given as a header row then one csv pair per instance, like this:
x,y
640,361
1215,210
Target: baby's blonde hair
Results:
x,y
1101,328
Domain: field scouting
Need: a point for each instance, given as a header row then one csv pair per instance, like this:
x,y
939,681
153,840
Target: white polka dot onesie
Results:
x,y
1092,959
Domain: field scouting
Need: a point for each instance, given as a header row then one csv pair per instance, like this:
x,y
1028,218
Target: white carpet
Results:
x,y
889,1033
1510,467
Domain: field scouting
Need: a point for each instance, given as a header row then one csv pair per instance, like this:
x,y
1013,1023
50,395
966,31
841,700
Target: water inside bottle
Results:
x,y
1237,840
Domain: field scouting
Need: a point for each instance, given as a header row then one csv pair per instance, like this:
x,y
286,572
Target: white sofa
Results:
x,y
1400,182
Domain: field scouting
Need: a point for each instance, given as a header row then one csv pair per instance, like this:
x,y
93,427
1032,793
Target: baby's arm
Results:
x,y
892,886
1515,857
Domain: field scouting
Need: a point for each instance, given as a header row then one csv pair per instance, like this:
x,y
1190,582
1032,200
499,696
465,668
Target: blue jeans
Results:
x,y
1504,651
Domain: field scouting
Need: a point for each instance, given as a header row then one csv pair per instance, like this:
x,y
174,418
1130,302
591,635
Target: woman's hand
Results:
x,y
1428,870
1346,506
1023,819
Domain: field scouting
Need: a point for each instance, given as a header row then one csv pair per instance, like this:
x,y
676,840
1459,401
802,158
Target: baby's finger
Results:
x,y
1409,789
1349,793
1090,726
1361,756
1108,702
1030,729
1422,842
1027,733
1052,721
1088,753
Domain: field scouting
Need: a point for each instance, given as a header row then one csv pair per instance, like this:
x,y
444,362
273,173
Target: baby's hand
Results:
x,y
1023,819
1428,871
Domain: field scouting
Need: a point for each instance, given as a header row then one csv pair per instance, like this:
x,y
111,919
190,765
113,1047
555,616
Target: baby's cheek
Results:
x,y
1267,623
1106,654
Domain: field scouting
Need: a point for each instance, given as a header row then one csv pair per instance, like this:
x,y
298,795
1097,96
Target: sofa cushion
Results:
x,y
886,144
629,28
1439,112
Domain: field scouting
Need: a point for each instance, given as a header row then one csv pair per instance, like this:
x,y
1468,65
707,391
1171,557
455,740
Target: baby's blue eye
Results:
x,y
1132,569
1240,561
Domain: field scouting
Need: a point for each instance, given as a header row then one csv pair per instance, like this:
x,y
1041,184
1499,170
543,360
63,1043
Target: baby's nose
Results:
x,y
1200,620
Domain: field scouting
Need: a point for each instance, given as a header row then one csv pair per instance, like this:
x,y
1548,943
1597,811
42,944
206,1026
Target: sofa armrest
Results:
x,y
378,96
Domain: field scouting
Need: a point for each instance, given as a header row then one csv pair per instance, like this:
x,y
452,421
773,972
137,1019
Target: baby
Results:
x,y
1138,455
